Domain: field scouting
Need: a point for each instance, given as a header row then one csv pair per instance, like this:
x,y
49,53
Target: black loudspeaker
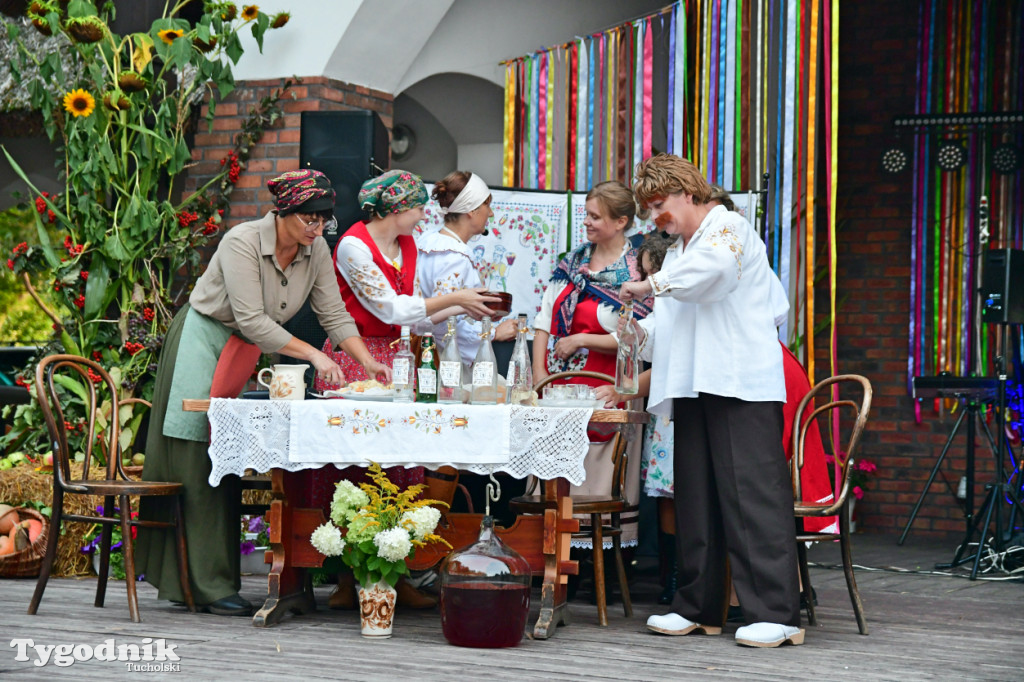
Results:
x,y
1002,287
349,147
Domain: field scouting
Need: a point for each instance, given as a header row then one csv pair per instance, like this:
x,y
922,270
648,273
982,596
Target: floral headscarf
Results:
x,y
393,192
304,190
603,285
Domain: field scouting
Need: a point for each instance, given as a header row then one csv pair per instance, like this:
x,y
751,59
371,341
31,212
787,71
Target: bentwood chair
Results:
x,y
806,418
613,504
61,380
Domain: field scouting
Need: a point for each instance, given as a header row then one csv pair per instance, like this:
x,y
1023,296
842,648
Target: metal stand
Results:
x,y
997,491
969,413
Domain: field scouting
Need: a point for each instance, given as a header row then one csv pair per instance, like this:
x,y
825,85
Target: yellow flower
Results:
x,y
79,103
250,12
169,35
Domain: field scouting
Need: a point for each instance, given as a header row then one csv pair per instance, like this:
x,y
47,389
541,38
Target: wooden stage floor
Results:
x,y
923,627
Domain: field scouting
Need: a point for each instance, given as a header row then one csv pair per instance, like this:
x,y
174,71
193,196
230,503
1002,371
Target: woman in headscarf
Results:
x,y
260,275
375,265
445,264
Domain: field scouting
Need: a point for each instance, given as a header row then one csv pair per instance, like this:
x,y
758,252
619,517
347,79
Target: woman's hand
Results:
x,y
608,394
378,371
632,290
568,345
473,300
506,331
327,369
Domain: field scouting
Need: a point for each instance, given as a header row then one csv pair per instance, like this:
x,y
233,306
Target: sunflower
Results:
x,y
229,12
79,103
169,35
250,12
280,20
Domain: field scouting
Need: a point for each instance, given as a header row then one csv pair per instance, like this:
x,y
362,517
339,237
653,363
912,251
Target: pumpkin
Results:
x,y
8,518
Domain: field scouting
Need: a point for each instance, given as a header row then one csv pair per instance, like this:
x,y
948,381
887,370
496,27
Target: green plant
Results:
x,y
111,245
92,542
375,527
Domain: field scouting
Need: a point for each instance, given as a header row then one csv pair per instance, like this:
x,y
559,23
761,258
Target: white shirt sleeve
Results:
x,y
708,270
647,340
355,263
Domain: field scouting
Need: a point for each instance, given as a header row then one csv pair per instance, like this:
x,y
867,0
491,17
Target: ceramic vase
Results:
x,y
376,609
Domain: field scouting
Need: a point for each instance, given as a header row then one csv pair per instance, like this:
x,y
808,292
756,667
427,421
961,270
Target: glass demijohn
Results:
x,y
485,593
402,378
426,373
484,373
449,387
627,361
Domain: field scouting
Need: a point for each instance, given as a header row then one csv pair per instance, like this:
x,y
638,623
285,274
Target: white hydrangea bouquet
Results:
x,y
376,527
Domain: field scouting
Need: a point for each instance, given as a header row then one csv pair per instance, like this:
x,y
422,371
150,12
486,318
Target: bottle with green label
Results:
x,y
426,373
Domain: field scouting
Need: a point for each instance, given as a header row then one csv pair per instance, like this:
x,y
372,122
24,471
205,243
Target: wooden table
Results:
x,y
542,540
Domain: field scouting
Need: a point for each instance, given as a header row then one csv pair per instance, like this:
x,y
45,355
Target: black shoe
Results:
x,y
735,615
803,600
234,605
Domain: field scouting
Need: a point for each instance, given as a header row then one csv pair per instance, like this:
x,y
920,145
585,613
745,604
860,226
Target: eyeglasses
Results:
x,y
316,223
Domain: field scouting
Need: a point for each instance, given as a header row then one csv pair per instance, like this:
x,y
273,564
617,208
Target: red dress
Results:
x,y
378,337
815,484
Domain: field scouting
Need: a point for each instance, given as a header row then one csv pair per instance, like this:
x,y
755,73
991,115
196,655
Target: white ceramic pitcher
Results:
x,y
287,382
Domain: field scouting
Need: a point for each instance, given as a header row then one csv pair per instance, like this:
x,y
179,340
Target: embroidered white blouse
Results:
x,y
444,265
713,325
355,263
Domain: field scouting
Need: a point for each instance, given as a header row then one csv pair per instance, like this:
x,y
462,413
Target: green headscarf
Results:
x,y
393,192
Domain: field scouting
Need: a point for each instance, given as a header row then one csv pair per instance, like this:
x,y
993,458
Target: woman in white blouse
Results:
x,y
445,265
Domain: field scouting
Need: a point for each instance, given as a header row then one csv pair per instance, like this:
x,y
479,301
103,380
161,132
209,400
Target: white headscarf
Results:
x,y
472,195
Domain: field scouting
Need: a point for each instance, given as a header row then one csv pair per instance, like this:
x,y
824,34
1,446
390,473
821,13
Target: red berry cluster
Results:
x,y
80,301
73,249
68,426
41,208
234,169
132,347
20,381
94,377
148,314
84,274
97,356
186,218
209,227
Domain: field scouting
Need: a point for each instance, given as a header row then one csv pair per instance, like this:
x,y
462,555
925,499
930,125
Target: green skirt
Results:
x,y
212,514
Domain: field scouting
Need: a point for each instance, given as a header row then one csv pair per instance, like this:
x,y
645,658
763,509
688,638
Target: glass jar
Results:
x,y
485,593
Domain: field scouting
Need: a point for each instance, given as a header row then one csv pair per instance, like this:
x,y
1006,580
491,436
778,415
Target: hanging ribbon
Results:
x,y
670,120
576,116
648,104
728,79
542,123
636,148
809,264
509,116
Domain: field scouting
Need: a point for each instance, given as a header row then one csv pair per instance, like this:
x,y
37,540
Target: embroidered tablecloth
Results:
x,y
547,442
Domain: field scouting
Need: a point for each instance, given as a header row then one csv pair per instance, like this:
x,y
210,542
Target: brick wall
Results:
x,y
278,151
877,80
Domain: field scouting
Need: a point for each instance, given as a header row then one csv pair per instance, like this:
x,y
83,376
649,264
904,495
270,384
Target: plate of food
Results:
x,y
368,389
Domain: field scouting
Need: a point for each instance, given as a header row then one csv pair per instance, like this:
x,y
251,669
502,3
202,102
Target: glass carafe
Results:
x,y
627,360
449,386
485,369
520,369
485,593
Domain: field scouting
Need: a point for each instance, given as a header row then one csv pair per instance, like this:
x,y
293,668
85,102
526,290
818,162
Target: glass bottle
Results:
x,y
484,373
485,593
627,360
426,373
520,369
449,389
402,378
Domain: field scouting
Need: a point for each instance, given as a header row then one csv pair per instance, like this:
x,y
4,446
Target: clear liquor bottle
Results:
x,y
485,373
520,369
402,378
426,373
449,388
627,360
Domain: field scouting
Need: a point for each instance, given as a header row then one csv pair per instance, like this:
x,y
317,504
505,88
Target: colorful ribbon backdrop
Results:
x,y
739,87
968,61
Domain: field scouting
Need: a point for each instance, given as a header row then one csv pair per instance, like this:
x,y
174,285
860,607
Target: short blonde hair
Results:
x,y
666,174
616,199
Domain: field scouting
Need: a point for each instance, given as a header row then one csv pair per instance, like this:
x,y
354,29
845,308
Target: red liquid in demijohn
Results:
x,y
484,615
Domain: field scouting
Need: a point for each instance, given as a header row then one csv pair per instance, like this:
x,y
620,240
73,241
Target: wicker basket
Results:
x,y
27,562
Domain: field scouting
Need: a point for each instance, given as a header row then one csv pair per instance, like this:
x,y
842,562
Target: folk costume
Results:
x,y
234,314
717,368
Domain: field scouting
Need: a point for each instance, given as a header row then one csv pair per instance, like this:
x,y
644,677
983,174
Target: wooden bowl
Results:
x,y
501,308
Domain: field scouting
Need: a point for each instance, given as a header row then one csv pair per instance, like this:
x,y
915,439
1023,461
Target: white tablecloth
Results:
x,y
547,442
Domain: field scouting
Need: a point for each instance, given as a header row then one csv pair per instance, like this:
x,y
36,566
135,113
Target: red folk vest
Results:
x,y
400,280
